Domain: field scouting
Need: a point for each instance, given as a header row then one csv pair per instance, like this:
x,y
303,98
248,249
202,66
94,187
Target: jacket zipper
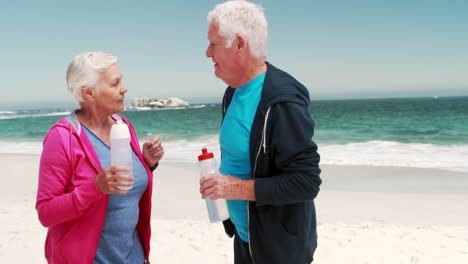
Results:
x,y
262,143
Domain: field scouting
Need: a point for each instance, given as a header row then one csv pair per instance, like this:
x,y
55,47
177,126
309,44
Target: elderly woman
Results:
x,y
89,219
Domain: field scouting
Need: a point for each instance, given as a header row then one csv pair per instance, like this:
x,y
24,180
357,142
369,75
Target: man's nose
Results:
x,y
124,89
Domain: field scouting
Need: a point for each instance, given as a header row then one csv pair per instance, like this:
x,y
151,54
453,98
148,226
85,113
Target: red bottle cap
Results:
x,y
205,155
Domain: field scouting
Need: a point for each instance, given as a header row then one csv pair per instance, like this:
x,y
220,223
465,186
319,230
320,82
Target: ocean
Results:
x,y
408,132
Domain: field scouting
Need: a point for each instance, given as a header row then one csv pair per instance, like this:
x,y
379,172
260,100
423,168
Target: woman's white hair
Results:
x,y
241,17
85,70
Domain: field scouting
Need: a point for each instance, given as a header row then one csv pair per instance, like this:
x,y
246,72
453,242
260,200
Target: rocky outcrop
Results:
x,y
175,102
172,102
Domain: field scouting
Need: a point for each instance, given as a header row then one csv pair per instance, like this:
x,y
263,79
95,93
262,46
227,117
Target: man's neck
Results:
x,y
252,70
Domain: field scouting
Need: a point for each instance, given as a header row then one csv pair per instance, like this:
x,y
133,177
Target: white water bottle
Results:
x,y
217,209
121,152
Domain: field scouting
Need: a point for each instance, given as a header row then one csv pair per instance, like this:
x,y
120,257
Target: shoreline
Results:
x,y
189,164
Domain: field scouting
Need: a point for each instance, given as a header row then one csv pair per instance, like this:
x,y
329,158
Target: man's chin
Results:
x,y
217,74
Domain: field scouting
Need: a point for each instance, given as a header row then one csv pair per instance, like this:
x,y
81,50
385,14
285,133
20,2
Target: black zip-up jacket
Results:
x,y
285,167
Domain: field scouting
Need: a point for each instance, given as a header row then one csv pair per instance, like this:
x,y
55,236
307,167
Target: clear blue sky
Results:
x,y
338,49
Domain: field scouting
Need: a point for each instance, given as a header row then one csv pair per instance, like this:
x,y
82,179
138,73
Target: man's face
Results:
x,y
225,59
111,91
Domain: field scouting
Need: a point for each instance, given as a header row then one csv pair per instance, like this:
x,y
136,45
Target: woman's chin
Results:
x,y
120,109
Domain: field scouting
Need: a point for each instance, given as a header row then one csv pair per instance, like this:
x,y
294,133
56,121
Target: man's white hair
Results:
x,y
85,70
241,17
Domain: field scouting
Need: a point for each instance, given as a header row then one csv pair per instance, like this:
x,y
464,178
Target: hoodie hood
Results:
x,y
279,86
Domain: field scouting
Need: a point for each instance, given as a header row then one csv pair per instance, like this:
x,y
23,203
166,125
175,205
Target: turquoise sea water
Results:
x,y
421,120
421,132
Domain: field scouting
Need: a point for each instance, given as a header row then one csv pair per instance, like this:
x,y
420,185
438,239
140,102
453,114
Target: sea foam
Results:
x,y
371,153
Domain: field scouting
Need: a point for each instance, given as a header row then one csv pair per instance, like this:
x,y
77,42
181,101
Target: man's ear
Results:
x,y
87,93
241,43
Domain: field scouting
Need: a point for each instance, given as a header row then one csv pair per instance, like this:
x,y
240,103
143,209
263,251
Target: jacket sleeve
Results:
x,y
295,157
54,204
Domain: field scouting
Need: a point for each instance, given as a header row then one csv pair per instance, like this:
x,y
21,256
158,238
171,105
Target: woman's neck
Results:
x,y
99,124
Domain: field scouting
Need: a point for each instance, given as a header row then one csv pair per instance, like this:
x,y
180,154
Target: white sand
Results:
x,y
365,214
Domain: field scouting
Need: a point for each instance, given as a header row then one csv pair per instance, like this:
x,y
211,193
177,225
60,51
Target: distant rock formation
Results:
x,y
175,102
171,102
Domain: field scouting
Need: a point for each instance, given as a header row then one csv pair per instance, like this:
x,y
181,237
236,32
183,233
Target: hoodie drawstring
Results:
x,y
265,129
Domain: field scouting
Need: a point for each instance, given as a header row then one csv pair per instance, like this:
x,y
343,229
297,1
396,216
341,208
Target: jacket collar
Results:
x,y
278,86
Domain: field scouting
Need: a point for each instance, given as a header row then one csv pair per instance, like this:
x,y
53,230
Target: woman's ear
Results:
x,y
87,93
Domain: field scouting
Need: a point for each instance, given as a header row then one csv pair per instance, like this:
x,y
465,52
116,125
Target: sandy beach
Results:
x,y
365,214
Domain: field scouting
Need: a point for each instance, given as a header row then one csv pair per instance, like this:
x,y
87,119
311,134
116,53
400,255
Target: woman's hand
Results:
x,y
108,180
153,151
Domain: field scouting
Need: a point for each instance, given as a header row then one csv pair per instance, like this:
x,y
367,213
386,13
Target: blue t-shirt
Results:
x,y
235,141
119,241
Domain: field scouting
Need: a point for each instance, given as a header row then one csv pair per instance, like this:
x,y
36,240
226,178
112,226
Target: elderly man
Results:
x,y
270,165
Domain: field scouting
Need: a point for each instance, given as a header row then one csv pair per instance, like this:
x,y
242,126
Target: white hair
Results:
x,y
241,17
85,70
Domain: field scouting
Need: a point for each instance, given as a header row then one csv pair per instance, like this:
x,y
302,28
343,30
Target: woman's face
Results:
x,y
110,91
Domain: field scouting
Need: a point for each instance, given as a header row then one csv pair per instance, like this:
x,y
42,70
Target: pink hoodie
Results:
x,y
69,202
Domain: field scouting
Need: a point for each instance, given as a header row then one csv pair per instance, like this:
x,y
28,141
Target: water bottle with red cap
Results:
x,y
217,209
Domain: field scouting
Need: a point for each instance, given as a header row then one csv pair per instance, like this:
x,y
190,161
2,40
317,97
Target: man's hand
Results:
x,y
153,151
217,186
108,180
